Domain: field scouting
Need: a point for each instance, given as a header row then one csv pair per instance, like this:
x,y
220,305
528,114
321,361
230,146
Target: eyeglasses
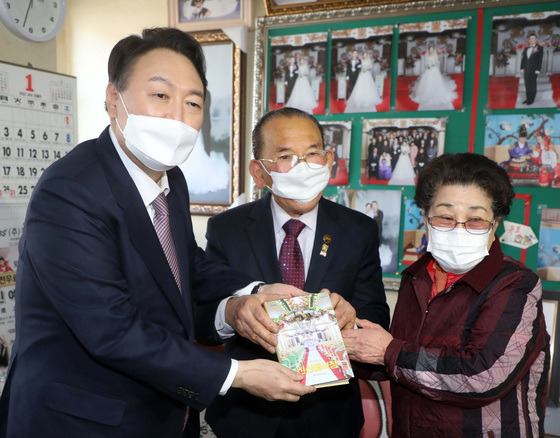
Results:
x,y
285,163
473,225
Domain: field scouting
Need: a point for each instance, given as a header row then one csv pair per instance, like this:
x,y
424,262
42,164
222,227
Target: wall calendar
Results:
x,y
37,126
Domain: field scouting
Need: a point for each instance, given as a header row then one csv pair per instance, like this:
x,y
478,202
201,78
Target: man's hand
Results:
x,y
369,344
345,313
270,380
248,318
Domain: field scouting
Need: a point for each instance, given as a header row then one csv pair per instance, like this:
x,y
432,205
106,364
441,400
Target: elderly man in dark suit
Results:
x,y
339,252
531,65
108,267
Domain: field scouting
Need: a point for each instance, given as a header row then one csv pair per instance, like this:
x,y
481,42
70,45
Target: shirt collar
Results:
x,y
280,217
146,186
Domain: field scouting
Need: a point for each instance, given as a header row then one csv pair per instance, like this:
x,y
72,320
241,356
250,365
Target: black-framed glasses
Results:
x,y
473,225
285,163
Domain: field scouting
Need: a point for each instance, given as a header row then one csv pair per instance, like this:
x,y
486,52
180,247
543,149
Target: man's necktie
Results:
x,y
161,224
291,259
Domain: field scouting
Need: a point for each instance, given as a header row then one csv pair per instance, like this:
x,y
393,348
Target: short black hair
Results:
x,y
285,111
128,50
465,169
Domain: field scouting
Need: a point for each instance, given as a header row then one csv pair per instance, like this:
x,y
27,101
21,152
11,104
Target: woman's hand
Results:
x,y
369,344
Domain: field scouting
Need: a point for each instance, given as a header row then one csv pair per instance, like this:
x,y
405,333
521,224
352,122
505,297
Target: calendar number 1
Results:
x,y
29,85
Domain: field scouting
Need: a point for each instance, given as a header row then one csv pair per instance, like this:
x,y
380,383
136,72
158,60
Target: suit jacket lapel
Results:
x,y
328,228
140,228
260,233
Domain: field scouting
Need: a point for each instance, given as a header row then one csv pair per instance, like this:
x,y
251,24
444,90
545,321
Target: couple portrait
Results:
x,y
525,61
361,65
431,65
297,72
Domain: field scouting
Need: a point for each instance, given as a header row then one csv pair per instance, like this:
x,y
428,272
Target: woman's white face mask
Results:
x,y
301,184
160,144
457,251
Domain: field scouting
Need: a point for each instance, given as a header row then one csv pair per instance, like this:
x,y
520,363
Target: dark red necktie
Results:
x,y
291,259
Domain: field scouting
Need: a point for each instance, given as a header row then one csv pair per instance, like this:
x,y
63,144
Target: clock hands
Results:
x,y
27,13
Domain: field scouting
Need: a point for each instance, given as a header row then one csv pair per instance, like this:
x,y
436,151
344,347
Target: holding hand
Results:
x,y
345,313
270,380
248,318
369,344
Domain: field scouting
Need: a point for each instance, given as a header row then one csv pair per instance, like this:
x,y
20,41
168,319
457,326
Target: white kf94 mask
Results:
x,y
159,143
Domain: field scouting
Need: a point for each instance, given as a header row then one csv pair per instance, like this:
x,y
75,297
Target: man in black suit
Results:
x,y
340,253
290,75
372,158
353,69
531,65
109,270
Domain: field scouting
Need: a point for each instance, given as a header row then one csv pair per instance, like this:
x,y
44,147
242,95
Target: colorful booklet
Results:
x,y
309,340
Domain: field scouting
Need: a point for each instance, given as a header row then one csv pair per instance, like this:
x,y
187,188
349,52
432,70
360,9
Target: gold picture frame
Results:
x,y
181,17
274,7
218,47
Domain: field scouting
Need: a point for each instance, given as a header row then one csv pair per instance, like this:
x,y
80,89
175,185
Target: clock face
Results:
x,y
33,20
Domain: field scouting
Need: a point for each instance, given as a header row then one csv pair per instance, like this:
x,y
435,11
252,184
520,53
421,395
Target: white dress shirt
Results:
x,y
150,190
305,239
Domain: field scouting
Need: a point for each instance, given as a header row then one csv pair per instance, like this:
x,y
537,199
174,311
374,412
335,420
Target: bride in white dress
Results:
x,y
302,94
365,96
403,174
432,90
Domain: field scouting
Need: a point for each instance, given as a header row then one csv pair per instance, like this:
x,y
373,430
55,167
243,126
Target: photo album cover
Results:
x,y
309,340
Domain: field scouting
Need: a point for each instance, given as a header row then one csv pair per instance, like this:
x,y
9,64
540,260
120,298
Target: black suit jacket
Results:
x,y
532,63
104,339
243,237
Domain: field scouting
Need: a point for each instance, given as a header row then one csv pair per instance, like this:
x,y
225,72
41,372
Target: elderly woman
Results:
x,y
467,353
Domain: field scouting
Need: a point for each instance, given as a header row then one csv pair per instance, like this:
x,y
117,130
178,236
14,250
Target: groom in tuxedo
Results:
x,y
339,249
531,65
353,68
290,74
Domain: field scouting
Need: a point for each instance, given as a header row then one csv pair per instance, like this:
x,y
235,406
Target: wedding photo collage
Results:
x,y
393,96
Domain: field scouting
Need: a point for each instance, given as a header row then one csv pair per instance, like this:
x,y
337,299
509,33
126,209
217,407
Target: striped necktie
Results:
x,y
161,225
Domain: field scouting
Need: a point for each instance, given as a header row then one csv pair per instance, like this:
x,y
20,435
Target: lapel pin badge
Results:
x,y
326,239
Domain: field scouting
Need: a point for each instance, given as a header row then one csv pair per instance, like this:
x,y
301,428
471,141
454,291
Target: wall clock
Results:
x,y
33,20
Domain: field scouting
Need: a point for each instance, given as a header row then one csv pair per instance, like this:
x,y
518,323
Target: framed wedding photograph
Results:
x,y
297,72
213,170
360,79
197,15
431,65
525,61
337,140
384,207
394,151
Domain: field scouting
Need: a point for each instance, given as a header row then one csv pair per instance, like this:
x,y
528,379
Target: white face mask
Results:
x,y
160,144
457,251
301,183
